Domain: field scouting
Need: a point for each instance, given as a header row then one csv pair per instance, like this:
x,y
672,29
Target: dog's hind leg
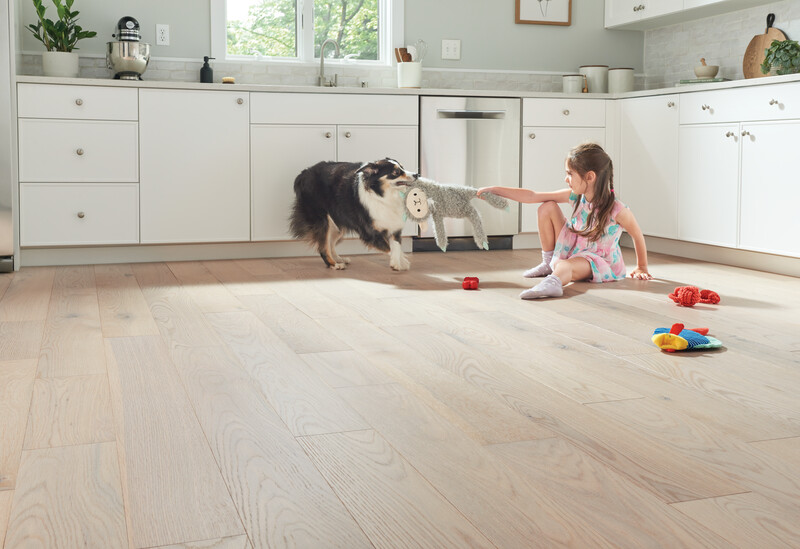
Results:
x,y
397,259
335,235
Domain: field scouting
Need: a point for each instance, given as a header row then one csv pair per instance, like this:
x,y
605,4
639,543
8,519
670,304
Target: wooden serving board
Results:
x,y
754,54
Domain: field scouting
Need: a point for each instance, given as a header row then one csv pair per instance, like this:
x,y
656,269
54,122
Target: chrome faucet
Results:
x,y
322,81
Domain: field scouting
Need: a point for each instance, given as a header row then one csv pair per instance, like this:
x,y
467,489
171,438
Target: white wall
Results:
x,y
490,40
671,53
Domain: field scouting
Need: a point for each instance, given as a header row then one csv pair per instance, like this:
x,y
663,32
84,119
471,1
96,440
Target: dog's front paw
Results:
x,y
339,266
400,263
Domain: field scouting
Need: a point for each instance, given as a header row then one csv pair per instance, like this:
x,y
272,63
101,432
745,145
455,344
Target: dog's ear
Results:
x,y
368,169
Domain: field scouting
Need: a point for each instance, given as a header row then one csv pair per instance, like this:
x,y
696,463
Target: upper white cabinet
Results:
x,y
195,184
650,14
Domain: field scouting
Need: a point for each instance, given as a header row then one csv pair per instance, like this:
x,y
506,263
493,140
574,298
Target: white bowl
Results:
x,y
706,71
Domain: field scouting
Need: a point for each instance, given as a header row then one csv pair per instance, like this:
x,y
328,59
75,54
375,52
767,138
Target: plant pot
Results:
x,y
60,63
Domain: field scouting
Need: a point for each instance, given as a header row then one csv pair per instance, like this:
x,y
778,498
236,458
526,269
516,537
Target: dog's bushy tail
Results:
x,y
495,200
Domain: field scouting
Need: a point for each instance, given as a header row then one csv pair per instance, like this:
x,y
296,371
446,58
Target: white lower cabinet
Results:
x,y
647,175
708,188
195,184
770,193
70,214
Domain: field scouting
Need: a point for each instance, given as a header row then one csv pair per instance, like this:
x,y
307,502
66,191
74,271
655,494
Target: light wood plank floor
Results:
x,y
276,403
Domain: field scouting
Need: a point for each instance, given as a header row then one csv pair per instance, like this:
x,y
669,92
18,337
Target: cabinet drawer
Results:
x,y
321,108
564,112
78,102
776,102
64,214
65,150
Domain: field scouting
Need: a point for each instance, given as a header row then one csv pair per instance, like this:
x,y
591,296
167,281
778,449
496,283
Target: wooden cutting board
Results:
x,y
754,54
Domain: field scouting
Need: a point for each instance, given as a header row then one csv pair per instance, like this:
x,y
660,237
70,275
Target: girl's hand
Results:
x,y
482,190
640,273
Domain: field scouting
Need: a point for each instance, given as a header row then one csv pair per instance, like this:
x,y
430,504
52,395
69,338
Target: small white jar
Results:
x,y
572,83
620,80
596,77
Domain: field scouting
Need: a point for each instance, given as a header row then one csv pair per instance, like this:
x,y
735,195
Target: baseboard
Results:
x,y
461,244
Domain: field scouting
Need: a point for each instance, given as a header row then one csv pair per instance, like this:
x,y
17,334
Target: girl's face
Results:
x,y
576,183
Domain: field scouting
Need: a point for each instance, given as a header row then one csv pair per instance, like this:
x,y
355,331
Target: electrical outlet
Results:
x,y
451,49
162,35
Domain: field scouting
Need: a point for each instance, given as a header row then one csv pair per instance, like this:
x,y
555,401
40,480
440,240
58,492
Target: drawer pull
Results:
x,y
670,104
79,101
705,107
347,134
566,112
532,135
773,101
328,135
79,152
81,215
729,134
240,101
745,133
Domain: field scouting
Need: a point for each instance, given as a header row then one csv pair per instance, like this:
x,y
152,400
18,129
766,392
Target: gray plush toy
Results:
x,y
427,198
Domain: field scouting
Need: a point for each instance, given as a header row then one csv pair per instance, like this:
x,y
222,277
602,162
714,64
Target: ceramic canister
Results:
x,y
596,76
572,83
620,80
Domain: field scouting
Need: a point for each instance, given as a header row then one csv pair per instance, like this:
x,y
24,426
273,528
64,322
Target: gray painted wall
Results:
x,y
490,40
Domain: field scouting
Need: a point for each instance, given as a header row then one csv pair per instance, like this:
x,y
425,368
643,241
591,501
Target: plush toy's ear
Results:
x,y
417,203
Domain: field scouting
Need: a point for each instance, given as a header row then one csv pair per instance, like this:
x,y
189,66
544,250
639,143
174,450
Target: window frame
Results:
x,y
393,29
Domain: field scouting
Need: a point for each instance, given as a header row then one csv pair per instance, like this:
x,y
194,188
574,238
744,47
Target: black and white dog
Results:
x,y
332,198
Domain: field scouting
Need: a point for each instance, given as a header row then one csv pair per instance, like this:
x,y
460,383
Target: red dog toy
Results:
x,y
689,296
470,283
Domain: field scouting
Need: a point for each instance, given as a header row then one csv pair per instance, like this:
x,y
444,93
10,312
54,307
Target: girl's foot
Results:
x,y
549,287
542,269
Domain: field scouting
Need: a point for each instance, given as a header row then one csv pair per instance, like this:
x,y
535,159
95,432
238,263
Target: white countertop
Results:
x,y
171,84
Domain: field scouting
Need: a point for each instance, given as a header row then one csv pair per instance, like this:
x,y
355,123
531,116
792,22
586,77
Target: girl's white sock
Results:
x,y
543,268
549,287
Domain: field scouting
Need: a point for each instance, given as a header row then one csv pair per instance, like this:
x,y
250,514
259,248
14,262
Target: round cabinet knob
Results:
x,y
81,215
327,135
745,133
79,152
79,101
729,134
671,104
347,134
240,101
705,107
532,135
773,101
566,112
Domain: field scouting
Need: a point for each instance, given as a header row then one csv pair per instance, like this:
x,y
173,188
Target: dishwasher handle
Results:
x,y
470,115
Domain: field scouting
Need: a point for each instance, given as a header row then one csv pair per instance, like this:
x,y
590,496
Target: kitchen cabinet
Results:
x,y
647,174
650,14
620,12
85,191
551,127
290,132
195,184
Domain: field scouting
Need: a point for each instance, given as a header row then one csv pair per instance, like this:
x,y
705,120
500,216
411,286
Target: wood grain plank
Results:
x,y
20,340
208,292
747,520
5,510
72,343
68,497
28,295
507,510
175,492
235,542
786,450
614,509
238,280
5,282
180,321
260,267
482,417
345,368
16,390
123,309
401,509
69,410
282,498
293,326
303,401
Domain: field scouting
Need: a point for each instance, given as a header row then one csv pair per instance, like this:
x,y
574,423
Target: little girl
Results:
x,y
586,247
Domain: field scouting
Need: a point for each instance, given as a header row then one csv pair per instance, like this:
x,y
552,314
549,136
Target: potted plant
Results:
x,y
782,57
60,38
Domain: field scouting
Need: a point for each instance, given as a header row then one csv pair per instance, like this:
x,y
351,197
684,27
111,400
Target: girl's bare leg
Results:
x,y
550,220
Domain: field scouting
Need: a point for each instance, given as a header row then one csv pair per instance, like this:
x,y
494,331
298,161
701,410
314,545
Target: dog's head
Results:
x,y
382,175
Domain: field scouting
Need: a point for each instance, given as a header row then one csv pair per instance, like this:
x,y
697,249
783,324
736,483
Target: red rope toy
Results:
x,y
688,296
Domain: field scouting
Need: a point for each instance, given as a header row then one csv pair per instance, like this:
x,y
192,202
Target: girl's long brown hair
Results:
x,y
590,157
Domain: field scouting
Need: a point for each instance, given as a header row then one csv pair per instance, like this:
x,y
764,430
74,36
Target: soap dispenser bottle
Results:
x,y
206,72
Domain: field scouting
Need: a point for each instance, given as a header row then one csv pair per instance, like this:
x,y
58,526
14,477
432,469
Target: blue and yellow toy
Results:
x,y
678,338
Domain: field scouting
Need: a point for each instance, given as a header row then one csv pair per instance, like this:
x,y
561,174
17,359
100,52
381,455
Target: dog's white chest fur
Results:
x,y
387,211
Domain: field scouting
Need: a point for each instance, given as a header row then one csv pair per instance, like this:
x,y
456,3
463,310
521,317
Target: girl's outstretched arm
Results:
x,y
527,196
627,221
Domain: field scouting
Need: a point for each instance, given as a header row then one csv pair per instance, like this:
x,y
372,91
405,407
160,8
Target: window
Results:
x,y
294,30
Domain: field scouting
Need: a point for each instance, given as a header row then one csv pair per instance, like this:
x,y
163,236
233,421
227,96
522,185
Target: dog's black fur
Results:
x,y
334,197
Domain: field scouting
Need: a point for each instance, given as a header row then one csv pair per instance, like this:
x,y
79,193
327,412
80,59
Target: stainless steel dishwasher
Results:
x,y
473,141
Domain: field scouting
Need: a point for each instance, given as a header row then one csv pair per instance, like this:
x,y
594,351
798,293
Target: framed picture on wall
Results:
x,y
544,12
